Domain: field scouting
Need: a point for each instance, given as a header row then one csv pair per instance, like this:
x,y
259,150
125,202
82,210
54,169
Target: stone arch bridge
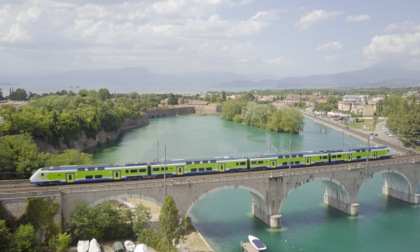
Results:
x,y
268,189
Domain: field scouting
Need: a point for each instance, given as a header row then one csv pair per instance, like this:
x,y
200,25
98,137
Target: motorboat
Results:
x,y
258,245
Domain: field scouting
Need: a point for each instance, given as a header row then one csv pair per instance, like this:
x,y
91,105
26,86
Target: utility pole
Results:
x,y
164,175
290,160
367,157
157,153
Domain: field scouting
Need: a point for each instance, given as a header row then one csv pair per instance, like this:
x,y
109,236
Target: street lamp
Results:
x,y
370,136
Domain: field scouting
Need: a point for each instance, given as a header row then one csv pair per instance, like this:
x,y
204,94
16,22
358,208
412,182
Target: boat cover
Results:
x,y
94,246
82,246
129,246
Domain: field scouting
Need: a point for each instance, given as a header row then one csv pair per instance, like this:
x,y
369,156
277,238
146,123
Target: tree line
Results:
x,y
265,116
36,231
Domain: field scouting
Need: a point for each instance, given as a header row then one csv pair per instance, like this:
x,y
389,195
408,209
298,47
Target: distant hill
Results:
x,y
144,81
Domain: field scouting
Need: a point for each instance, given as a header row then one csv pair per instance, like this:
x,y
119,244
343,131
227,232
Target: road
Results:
x,y
381,139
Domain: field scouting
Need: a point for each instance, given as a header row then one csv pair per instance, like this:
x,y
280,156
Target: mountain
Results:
x,y
144,81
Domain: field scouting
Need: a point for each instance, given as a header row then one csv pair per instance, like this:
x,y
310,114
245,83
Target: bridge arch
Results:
x,y
257,196
124,196
394,180
334,189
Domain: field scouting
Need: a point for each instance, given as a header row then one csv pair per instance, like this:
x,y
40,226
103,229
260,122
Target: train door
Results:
x,y
374,154
222,167
349,157
273,164
180,170
116,175
308,161
70,177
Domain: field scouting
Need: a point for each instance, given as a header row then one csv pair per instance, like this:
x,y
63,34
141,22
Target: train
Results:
x,y
70,174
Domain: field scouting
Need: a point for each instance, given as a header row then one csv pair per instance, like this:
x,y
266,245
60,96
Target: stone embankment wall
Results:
x,y
103,137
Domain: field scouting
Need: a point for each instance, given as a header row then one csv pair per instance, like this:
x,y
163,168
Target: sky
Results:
x,y
275,37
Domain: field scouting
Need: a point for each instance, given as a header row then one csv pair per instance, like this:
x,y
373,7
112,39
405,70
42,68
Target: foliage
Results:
x,y
60,242
24,239
5,237
103,222
19,153
141,219
231,108
40,214
169,223
156,240
56,117
18,95
69,157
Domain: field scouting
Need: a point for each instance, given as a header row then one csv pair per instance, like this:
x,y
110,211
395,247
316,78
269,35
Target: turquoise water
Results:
x,y
224,218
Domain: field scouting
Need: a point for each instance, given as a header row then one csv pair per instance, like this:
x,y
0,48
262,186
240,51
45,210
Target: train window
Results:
x,y
237,163
297,162
359,156
339,156
209,169
212,161
196,162
293,155
242,163
260,162
205,161
253,162
80,169
156,169
333,156
194,169
200,169
163,168
292,162
133,170
142,170
126,171
89,177
189,162
42,174
91,168
98,176
101,168
325,157
287,156
284,163
301,155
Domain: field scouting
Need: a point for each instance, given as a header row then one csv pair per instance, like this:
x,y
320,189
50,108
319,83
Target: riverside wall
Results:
x,y
84,143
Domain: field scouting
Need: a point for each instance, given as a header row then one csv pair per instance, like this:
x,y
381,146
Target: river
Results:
x,y
224,217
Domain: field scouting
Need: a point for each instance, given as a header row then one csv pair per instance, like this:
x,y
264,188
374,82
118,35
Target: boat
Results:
x,y
259,245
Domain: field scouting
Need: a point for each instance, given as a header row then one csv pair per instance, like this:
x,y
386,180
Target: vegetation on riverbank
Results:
x,y
265,116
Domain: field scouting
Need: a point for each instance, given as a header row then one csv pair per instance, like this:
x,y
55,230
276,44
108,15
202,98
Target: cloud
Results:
x,y
316,16
405,45
358,18
406,26
331,57
330,46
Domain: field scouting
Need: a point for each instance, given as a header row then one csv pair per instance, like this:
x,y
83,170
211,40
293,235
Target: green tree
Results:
x,y
19,153
40,214
24,239
231,108
18,95
172,99
169,220
5,237
70,157
60,242
141,219
104,94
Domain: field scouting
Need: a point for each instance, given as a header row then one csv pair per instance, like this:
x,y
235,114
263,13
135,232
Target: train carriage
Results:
x,y
157,170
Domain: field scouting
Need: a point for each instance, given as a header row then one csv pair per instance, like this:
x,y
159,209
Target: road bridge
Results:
x,y
269,189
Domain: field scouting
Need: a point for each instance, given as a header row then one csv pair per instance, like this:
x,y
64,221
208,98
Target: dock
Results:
x,y
247,247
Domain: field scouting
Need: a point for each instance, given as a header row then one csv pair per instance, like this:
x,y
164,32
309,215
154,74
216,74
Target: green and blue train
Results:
x,y
109,172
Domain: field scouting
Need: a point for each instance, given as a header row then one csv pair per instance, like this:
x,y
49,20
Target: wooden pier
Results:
x,y
247,247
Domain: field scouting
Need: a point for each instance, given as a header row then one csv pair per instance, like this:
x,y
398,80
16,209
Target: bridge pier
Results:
x,y
350,209
273,221
400,195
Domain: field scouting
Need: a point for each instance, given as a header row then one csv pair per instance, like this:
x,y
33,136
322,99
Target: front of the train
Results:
x,y
36,177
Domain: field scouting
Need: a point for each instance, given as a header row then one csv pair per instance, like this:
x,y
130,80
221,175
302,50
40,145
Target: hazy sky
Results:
x,y
281,37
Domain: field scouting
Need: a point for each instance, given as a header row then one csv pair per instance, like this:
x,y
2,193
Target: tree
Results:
x,y
18,95
60,242
1,94
231,108
169,220
172,99
5,237
104,94
70,157
24,238
141,219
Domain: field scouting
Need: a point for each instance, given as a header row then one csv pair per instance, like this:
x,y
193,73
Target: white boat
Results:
x,y
258,245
